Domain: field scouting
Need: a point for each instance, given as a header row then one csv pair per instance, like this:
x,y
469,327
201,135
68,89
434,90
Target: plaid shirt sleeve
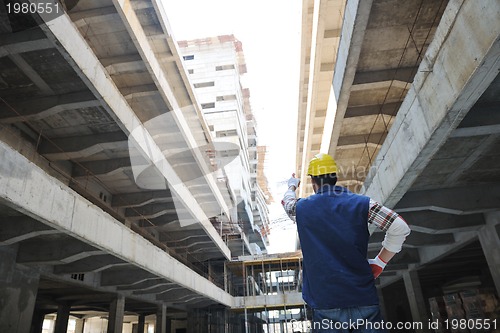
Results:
x,y
289,203
396,229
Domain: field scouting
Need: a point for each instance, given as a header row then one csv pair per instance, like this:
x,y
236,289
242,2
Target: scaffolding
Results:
x,y
270,292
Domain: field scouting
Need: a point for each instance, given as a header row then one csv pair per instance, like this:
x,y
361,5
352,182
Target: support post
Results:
x,y
141,323
416,299
116,313
62,318
17,294
161,319
37,322
490,242
381,302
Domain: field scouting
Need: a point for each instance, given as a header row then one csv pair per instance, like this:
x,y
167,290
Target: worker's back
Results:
x,y
333,231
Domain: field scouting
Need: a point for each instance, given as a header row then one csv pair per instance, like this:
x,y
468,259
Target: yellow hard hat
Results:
x,y
321,164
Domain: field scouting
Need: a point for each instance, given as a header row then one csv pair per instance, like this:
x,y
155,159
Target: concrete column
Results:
x,y
168,326
62,318
416,299
80,324
37,322
17,294
161,319
381,302
141,323
490,242
116,313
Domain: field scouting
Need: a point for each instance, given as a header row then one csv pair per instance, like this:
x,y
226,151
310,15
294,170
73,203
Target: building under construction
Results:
x,y
118,210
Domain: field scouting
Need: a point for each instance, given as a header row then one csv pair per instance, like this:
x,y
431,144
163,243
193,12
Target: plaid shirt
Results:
x,y
378,215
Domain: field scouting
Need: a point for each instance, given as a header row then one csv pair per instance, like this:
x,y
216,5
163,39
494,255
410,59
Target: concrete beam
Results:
x,y
457,201
94,264
139,199
361,139
22,182
475,131
467,77
174,242
181,235
383,86
160,221
435,222
23,41
85,14
159,289
31,74
400,74
168,92
482,114
82,146
139,91
148,285
19,228
485,145
151,211
77,52
356,18
120,59
311,80
433,253
100,168
129,67
39,108
366,110
333,33
125,276
44,252
174,294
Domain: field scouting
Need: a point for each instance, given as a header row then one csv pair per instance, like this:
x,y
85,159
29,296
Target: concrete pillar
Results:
x,y
161,319
80,324
490,242
416,299
168,326
37,322
140,324
381,303
116,313
19,286
62,318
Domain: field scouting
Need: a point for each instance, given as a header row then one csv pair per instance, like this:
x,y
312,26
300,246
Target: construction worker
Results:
x,y
338,280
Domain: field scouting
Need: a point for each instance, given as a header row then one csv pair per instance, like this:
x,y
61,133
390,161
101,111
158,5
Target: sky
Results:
x,y
270,34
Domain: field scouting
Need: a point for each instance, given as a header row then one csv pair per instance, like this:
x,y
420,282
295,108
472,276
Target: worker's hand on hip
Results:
x,y
293,181
377,265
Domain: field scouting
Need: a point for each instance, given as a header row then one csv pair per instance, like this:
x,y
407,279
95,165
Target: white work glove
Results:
x,y
293,181
377,265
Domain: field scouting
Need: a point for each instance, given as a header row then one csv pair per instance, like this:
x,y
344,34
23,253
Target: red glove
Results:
x,y
377,265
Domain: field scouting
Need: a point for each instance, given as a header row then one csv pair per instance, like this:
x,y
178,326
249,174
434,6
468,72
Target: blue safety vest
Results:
x,y
333,232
